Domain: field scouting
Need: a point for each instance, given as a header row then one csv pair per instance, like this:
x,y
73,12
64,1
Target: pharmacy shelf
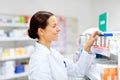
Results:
x,y
14,58
13,42
14,39
18,75
92,76
13,25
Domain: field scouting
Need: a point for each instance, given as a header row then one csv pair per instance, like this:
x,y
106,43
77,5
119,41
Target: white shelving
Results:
x,y
13,25
13,76
14,36
14,39
14,58
93,76
16,75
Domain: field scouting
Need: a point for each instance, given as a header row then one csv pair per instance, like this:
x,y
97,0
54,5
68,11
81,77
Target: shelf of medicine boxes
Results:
x,y
111,60
23,74
4,39
13,25
93,76
8,39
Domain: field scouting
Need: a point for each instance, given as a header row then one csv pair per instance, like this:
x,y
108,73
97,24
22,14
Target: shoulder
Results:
x,y
52,49
55,51
39,56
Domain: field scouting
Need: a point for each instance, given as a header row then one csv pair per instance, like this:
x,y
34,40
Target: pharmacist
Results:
x,y
47,63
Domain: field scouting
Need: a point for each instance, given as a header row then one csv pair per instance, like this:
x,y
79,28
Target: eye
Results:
x,y
54,26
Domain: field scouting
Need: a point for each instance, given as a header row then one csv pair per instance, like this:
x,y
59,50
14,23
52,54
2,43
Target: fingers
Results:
x,y
91,41
95,34
96,37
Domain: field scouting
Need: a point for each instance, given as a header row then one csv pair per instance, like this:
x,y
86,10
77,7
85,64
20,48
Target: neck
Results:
x,y
47,44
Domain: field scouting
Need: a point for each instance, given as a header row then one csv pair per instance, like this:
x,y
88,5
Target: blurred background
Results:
x,y
75,17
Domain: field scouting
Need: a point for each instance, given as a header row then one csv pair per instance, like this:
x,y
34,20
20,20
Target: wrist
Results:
x,y
87,49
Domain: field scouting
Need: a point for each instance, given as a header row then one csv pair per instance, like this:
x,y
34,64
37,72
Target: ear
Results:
x,y
40,31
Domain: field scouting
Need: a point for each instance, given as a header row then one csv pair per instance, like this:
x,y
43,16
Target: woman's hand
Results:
x,y
91,40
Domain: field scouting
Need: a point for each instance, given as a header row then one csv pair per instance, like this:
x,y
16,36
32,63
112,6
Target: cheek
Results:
x,y
51,33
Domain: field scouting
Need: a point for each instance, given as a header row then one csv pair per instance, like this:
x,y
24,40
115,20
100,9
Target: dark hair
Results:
x,y
38,20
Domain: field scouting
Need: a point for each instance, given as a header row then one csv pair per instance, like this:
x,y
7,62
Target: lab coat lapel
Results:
x,y
58,69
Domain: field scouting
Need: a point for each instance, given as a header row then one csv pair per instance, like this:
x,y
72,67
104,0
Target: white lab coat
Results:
x,y
49,64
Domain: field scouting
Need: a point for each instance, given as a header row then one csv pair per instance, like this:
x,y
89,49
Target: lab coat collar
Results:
x,y
42,47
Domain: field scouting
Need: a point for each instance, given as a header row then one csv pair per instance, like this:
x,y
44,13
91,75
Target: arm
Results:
x,y
85,60
80,68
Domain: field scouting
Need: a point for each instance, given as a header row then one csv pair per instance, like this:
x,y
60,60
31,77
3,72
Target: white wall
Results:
x,y
112,7
87,11
80,9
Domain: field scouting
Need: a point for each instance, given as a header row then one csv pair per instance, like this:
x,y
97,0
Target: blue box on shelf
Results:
x,y
19,68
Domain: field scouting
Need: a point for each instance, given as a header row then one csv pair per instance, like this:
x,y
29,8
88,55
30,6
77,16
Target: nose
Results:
x,y
58,29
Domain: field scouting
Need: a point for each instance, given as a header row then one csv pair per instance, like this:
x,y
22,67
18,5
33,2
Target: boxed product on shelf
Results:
x,y
2,33
15,19
7,68
100,46
18,33
105,71
18,51
19,69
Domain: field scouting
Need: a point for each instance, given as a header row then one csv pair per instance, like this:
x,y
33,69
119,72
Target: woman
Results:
x,y
48,64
